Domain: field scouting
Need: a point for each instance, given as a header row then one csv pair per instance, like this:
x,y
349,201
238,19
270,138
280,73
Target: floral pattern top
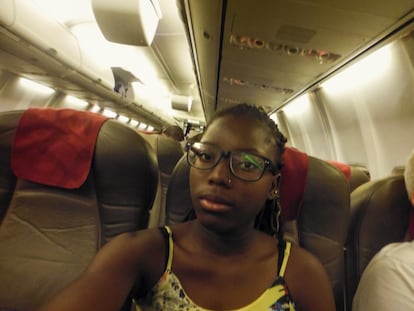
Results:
x,y
169,295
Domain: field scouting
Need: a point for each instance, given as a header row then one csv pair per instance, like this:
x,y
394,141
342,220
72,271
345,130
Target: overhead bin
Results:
x,y
29,22
132,22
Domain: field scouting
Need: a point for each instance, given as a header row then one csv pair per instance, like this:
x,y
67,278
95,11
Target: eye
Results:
x,y
248,162
202,155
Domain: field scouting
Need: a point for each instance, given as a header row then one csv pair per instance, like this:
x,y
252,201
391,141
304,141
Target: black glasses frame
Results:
x,y
268,165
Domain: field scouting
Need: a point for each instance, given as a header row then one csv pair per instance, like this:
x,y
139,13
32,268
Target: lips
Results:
x,y
214,204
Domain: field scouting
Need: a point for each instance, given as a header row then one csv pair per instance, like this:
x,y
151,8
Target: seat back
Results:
x,y
379,216
168,152
48,234
323,219
178,205
317,212
359,176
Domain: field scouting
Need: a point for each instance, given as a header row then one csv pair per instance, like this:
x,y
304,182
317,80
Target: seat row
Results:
x,y
122,181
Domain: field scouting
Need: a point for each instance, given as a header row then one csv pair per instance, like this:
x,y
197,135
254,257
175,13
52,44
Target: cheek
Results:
x,y
254,196
193,181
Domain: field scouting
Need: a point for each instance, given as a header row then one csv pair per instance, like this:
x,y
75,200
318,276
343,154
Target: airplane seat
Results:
x,y
379,216
168,152
316,215
314,197
55,216
359,176
398,170
178,205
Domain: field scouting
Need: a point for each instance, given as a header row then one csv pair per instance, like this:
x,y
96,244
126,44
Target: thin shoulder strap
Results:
x,y
284,252
167,234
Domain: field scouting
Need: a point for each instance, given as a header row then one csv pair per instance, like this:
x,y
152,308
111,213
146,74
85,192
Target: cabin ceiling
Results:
x,y
222,52
266,52
169,56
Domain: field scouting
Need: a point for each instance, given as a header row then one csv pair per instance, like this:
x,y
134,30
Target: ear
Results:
x,y
274,189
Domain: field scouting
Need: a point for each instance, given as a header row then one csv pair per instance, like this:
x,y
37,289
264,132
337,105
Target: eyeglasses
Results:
x,y
243,165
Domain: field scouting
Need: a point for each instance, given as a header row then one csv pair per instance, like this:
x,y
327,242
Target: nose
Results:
x,y
220,173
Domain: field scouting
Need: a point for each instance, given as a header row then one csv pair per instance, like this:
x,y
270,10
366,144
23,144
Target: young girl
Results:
x,y
232,256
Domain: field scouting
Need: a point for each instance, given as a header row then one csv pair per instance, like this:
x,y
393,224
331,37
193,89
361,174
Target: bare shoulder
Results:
x,y
305,272
122,261
139,253
304,260
135,244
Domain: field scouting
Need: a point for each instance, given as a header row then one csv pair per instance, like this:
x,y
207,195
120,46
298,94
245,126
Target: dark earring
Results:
x,y
275,218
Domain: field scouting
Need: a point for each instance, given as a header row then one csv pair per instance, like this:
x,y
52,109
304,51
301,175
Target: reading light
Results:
x,y
132,22
95,109
133,123
123,119
142,126
109,113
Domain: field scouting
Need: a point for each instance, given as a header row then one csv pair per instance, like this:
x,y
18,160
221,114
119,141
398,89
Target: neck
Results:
x,y
225,243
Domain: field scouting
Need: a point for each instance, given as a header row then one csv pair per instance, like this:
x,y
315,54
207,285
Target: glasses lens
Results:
x,y
203,156
247,166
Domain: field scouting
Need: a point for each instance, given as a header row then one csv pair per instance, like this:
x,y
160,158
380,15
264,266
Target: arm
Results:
x,y
308,282
387,282
108,279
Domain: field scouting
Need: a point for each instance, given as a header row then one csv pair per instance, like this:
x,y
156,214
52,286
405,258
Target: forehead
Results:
x,y
241,133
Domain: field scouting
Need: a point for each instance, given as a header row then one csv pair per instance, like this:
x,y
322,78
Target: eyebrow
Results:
x,y
246,150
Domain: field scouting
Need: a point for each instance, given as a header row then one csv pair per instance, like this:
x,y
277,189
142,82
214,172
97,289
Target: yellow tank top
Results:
x,y
169,295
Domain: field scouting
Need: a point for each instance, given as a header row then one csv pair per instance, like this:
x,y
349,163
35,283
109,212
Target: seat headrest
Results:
x,y
343,167
293,181
55,146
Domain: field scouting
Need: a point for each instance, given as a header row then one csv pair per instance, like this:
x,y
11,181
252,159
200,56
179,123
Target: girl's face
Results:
x,y
227,206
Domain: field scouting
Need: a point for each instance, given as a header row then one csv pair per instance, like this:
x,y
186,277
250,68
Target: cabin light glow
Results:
x,y
366,71
150,128
36,87
155,90
123,119
109,113
95,109
76,102
155,97
298,106
64,11
193,121
110,54
142,126
273,116
133,123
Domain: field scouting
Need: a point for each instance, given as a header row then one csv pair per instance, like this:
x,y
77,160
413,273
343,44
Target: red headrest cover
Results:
x,y
293,181
343,167
55,146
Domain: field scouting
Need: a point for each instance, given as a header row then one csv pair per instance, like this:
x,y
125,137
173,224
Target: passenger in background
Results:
x,y
232,256
174,132
388,281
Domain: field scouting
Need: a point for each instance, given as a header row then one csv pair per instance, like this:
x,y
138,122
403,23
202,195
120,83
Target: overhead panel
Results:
x,y
273,50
